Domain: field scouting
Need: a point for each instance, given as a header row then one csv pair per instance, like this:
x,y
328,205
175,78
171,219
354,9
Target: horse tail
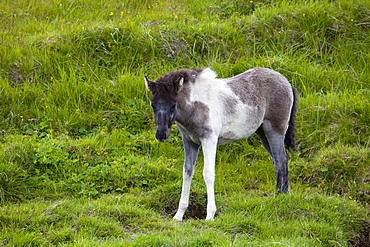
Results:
x,y
290,133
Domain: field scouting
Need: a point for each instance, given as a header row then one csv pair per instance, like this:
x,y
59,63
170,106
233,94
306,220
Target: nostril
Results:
x,y
161,138
162,134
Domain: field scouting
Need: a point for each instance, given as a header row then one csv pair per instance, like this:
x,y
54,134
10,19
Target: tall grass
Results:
x,y
79,164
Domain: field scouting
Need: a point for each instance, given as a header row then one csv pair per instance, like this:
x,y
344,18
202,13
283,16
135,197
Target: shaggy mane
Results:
x,y
207,74
174,76
170,81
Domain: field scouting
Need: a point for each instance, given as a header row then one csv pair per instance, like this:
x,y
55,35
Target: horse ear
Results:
x,y
149,84
181,83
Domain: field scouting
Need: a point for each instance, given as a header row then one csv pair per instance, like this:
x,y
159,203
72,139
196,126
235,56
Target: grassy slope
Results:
x,y
76,124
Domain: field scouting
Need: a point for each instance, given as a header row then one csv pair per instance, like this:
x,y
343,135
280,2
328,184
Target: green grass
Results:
x,y
123,220
79,164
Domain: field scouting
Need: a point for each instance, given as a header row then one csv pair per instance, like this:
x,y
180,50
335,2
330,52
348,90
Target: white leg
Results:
x,y
184,200
191,154
209,153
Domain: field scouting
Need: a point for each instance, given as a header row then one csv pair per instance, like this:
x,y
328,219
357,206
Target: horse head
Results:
x,y
164,102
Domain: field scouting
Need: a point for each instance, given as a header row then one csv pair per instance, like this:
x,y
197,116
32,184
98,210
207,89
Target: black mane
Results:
x,y
170,81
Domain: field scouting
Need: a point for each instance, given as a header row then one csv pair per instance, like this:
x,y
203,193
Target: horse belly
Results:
x,y
235,132
239,126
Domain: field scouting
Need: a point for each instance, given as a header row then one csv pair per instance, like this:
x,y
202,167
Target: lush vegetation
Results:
x,y
79,165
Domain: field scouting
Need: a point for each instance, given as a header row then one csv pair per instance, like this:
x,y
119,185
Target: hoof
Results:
x,y
179,219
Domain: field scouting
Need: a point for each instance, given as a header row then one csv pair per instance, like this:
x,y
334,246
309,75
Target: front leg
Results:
x,y
191,151
209,153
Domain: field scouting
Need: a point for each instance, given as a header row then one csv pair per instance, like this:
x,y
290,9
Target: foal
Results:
x,y
210,111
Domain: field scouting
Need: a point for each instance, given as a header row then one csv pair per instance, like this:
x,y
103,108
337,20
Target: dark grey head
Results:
x,y
164,102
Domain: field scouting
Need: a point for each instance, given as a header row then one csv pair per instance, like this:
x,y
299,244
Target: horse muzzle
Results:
x,y
162,134
163,123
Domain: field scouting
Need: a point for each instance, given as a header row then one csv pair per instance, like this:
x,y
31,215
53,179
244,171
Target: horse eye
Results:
x,y
173,107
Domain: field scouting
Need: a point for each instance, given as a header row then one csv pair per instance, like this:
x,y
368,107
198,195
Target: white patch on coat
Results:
x,y
227,127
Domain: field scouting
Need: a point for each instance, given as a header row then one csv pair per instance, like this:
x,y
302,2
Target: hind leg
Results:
x,y
275,145
263,139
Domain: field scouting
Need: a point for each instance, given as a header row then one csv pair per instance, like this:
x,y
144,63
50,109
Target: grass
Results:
x,y
122,220
79,164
